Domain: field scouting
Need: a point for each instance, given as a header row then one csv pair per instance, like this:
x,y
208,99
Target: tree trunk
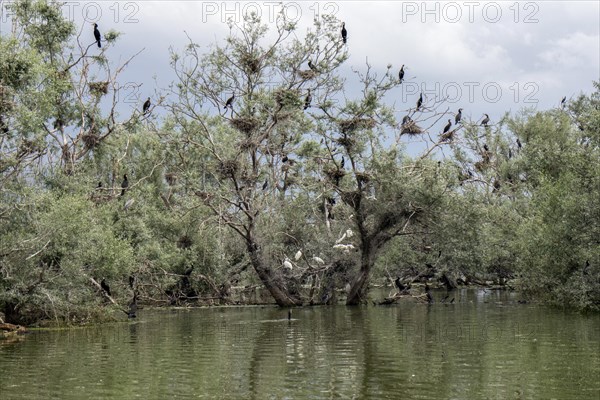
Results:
x,y
272,282
358,289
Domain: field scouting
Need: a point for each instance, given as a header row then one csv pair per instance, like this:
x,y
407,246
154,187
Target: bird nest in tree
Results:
x,y
308,74
288,98
347,142
228,167
354,124
184,242
351,198
335,174
250,62
171,178
246,125
363,177
90,140
410,128
98,88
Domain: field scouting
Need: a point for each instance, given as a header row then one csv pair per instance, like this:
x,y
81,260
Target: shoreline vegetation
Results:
x,y
257,168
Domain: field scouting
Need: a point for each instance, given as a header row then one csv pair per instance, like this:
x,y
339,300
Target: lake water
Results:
x,y
485,346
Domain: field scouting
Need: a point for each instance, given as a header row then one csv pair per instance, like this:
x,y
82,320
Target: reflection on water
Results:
x,y
484,346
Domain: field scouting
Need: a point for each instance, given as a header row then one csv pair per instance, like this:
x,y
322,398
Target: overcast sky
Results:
x,y
488,57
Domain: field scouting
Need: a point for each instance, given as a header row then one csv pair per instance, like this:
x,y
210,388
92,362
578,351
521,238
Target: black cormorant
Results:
x,y
264,186
229,102
448,126
458,116
311,65
406,119
485,147
486,120
99,185
401,73
97,35
131,281
342,163
307,100
124,184
344,33
399,285
105,287
289,315
519,145
146,106
420,101
563,102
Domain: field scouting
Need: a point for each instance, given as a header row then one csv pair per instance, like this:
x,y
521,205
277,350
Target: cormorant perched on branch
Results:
x,y
401,73
458,116
105,287
448,126
344,33
146,106
97,35
420,101
563,102
406,119
485,147
399,285
265,185
99,186
124,184
131,281
342,163
307,100
519,145
229,102
486,120
311,65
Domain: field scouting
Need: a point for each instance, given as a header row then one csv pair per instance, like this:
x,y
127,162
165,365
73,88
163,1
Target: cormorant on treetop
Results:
x,y
229,102
420,101
448,126
485,147
401,73
124,184
311,65
146,106
458,116
307,100
264,186
563,102
344,33
97,35
486,120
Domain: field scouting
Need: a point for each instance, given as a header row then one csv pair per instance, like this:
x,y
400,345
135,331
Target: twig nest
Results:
x,y
228,167
411,128
308,74
98,88
246,125
346,141
351,125
351,198
90,140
